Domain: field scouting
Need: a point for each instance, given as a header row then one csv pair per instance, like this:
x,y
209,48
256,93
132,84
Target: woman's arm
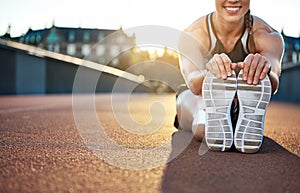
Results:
x,y
193,57
269,47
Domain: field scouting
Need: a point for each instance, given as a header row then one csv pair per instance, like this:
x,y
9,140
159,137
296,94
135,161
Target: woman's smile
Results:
x,y
232,9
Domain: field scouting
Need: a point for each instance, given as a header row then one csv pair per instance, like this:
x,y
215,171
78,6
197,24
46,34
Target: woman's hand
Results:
x,y
221,66
255,67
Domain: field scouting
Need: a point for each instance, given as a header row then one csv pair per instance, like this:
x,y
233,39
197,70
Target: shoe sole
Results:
x,y
218,96
253,102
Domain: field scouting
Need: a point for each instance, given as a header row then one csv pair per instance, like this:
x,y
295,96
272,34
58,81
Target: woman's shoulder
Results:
x,y
198,30
264,34
261,28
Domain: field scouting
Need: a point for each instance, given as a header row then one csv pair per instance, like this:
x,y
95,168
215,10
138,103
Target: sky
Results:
x,y
112,14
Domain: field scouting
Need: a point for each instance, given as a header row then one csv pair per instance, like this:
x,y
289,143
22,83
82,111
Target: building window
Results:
x,y
53,47
71,49
297,46
71,36
100,36
114,51
100,50
27,39
86,36
115,62
38,38
56,48
294,57
50,47
85,50
32,39
102,60
121,39
52,37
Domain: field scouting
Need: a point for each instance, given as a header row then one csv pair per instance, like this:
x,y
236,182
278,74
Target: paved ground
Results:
x,y
43,150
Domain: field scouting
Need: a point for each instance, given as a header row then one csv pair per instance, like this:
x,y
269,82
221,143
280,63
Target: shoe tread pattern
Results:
x,y
218,96
253,101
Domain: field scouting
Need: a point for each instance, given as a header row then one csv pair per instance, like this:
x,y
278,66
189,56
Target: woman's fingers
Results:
x,y
220,66
255,67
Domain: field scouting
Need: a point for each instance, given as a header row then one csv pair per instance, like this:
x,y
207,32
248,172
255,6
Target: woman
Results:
x,y
240,60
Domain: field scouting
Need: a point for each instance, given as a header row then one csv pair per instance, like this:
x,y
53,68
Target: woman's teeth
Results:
x,y
232,8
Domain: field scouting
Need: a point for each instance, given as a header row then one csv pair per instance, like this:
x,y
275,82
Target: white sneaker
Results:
x,y
253,101
218,96
198,125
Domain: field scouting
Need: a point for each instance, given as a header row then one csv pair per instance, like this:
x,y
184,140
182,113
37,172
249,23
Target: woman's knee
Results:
x,y
187,106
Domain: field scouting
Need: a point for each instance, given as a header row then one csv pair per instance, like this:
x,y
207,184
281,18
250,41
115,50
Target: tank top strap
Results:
x,y
212,37
244,40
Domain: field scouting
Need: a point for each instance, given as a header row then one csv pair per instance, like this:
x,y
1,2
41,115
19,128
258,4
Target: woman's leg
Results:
x,y
191,114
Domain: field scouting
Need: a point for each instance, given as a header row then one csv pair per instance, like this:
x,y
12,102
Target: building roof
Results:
x,y
69,34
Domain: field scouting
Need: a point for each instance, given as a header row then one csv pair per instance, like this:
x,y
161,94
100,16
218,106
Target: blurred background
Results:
x,y
43,43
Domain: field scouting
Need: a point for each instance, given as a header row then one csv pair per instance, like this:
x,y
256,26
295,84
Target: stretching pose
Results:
x,y
236,73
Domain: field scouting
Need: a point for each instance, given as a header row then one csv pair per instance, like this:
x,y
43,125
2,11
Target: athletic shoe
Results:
x,y
218,96
253,101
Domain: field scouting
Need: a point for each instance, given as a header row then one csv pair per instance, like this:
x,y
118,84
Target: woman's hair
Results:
x,y
248,22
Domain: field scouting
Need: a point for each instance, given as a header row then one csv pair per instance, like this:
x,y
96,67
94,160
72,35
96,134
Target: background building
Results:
x,y
112,48
105,46
80,42
26,69
292,50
